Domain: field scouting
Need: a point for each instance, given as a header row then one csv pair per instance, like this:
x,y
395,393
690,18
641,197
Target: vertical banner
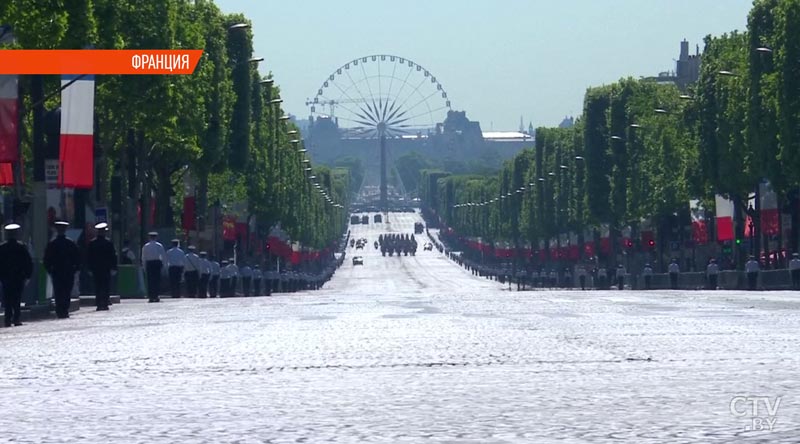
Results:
x,y
626,234
574,250
769,210
605,239
189,216
229,228
9,118
724,209
699,227
588,242
77,132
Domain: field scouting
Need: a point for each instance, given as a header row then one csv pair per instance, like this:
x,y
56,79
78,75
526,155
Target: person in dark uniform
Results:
x,y
62,260
102,261
794,270
16,267
176,260
153,259
205,275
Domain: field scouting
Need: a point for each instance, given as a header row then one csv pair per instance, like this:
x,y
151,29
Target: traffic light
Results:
x,y
651,243
738,241
628,244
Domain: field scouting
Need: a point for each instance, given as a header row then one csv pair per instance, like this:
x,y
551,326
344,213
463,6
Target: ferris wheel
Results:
x,y
380,96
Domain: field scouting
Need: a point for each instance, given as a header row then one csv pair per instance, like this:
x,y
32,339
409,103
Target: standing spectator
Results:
x,y
712,274
794,269
153,259
176,260
16,268
128,257
102,261
62,260
674,270
224,279
601,278
751,268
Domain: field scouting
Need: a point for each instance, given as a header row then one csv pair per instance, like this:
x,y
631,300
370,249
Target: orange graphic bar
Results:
x,y
99,61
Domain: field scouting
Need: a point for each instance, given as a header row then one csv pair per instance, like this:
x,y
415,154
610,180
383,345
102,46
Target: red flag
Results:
x,y
189,217
9,119
229,228
6,174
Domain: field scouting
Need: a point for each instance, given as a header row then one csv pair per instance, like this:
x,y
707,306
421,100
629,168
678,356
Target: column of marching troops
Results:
x,y
203,276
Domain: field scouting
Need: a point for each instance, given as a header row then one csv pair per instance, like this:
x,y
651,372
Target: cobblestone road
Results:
x,y
408,349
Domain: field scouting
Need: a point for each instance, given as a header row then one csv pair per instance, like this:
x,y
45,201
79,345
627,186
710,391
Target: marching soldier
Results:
x,y
16,268
712,273
102,261
205,275
213,283
176,261
567,278
647,272
247,276
794,269
257,277
752,269
674,269
153,260
191,272
62,261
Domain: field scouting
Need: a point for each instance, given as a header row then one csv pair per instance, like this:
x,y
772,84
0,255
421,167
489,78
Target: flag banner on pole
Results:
x,y
769,210
605,239
6,175
724,211
9,115
76,160
699,227
189,216
9,119
574,248
626,236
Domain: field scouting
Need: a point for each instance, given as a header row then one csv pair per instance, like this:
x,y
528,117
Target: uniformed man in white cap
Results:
x,y
257,278
102,260
247,276
712,274
234,276
751,268
16,268
191,272
224,280
674,270
794,269
62,260
176,260
213,282
205,275
153,259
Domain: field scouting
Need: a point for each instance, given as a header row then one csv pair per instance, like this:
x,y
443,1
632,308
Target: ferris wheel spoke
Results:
x,y
366,80
403,85
338,103
355,85
424,100
398,122
416,90
391,82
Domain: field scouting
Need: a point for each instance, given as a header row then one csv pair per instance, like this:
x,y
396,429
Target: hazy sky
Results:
x,y
497,60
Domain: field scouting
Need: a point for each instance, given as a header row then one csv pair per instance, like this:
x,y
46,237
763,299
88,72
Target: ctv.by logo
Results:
x,y
762,411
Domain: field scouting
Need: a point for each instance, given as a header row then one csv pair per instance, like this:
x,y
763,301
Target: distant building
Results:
x,y
687,68
568,122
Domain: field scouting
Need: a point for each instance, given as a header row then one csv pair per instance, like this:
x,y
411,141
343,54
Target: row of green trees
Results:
x,y
642,149
222,126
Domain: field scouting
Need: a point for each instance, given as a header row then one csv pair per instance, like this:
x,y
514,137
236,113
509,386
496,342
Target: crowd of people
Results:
x,y
191,273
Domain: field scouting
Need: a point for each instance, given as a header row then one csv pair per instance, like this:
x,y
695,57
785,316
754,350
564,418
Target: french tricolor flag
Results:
x,y
76,166
724,218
